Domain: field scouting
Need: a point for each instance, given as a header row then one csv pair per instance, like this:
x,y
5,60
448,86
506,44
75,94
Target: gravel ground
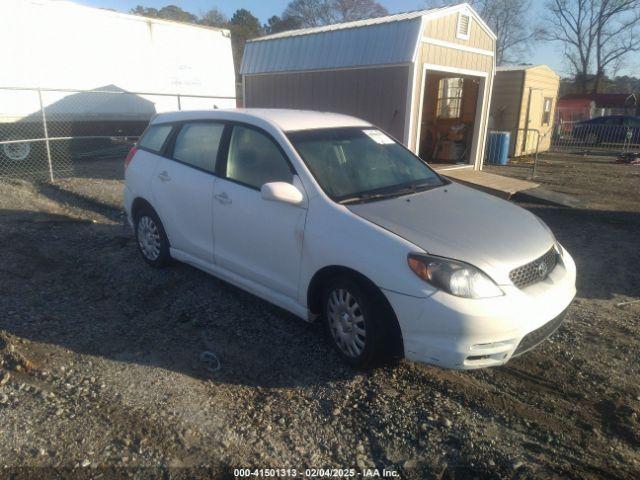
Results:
x,y
101,371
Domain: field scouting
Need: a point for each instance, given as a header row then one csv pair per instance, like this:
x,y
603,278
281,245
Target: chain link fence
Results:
x,y
45,132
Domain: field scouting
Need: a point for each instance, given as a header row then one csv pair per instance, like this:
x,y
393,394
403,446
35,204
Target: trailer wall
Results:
x,y
61,45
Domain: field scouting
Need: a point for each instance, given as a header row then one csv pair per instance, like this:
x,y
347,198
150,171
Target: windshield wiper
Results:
x,y
413,188
367,197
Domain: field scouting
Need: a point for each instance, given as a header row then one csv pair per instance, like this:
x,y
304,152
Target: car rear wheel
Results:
x,y
353,319
151,238
16,152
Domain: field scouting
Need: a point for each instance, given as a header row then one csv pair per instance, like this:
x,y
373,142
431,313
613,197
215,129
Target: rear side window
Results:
x,y
197,144
255,160
154,138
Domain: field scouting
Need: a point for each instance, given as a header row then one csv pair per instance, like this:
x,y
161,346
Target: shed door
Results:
x,y
535,121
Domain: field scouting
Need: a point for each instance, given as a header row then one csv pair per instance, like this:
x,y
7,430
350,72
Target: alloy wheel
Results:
x,y
16,151
148,238
346,322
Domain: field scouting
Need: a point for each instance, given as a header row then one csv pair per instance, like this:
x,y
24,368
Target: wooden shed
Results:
x,y
425,77
523,103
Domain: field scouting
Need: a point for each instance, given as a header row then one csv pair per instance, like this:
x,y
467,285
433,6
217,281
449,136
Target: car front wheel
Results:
x,y
151,238
353,319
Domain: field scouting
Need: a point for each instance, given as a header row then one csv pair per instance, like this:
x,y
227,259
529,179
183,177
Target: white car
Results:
x,y
328,217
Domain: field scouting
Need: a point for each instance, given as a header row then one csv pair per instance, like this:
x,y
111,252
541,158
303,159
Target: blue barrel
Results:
x,y
498,148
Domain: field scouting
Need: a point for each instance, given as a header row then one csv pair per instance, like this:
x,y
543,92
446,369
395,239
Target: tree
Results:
x,y
214,18
509,21
313,13
173,12
617,35
145,11
349,10
597,36
244,26
277,24
170,12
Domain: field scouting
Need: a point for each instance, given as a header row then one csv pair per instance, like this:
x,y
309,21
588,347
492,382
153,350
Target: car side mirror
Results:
x,y
282,192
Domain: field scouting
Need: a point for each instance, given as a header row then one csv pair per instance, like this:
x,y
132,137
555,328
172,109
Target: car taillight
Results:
x,y
129,157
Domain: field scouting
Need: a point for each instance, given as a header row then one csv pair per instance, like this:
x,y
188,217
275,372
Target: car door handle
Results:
x,y
164,176
223,198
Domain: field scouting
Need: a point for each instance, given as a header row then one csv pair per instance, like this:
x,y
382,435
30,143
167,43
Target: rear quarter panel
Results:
x,y
138,177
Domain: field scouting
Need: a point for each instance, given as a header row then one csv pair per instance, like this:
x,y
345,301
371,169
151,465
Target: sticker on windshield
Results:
x,y
379,137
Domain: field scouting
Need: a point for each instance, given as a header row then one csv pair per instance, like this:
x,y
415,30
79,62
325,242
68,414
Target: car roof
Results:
x,y
284,119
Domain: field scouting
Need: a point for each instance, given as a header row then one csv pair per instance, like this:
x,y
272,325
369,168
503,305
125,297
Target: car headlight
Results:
x,y
452,276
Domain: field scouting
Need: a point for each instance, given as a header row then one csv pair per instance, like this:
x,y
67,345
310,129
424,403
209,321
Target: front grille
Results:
x,y
536,337
535,271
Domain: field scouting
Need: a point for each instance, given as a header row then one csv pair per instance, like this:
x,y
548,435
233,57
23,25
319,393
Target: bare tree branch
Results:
x,y
313,13
597,35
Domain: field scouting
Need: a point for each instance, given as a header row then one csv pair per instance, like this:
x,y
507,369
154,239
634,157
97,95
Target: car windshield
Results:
x,y
362,164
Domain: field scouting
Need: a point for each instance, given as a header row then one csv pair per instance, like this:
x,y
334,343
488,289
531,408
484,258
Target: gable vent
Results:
x,y
464,26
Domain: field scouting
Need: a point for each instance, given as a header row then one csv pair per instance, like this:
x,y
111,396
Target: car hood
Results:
x,y
459,222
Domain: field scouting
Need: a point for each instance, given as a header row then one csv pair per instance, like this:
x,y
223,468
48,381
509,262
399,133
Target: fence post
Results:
x,y
628,136
179,103
535,158
46,134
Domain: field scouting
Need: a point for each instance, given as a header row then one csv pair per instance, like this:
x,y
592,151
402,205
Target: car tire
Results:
x,y
151,238
354,319
16,152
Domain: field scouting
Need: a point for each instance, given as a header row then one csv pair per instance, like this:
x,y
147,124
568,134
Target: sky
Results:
x,y
263,9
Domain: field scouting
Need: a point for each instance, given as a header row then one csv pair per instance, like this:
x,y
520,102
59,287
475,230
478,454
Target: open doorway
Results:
x,y
450,117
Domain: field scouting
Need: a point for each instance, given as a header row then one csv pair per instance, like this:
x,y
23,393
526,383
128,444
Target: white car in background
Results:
x,y
328,217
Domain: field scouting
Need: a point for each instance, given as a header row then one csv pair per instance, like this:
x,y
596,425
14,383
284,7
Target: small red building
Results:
x,y
576,107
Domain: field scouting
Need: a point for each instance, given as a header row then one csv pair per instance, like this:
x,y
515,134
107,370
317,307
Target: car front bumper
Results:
x,y
462,333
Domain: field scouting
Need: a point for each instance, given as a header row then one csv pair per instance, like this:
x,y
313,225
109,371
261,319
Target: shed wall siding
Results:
x,y
378,95
507,101
451,57
543,82
445,28
510,107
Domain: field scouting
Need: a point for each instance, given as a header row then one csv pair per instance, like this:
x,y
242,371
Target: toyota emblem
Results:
x,y
542,269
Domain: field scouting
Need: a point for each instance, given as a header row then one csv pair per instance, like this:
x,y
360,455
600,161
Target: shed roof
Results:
x,y
523,68
391,39
517,68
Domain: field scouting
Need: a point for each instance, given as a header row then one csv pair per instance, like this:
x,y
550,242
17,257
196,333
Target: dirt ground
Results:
x,y
596,180
101,373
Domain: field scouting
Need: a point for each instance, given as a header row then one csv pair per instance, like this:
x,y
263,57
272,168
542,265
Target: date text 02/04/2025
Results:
x,y
314,473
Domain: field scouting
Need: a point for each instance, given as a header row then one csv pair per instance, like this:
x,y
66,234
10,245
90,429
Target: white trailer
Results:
x,y
60,56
